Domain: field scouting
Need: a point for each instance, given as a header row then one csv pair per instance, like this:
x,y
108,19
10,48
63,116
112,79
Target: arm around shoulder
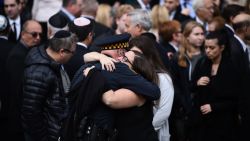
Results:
x,y
122,98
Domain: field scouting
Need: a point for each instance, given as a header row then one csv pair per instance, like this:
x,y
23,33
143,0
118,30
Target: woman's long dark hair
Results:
x,y
144,67
149,50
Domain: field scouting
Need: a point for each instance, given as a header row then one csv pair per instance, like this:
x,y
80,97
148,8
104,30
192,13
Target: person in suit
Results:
x,y
175,11
30,37
228,13
12,11
170,33
135,18
240,58
70,10
5,48
204,10
137,23
83,28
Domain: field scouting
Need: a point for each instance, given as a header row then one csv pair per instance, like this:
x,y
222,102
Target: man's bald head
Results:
x,y
241,25
240,21
242,17
31,33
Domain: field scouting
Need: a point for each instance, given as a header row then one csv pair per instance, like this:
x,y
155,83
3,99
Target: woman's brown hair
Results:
x,y
185,45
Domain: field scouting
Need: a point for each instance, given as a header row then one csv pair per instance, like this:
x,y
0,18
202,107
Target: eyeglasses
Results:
x,y
69,51
125,59
34,34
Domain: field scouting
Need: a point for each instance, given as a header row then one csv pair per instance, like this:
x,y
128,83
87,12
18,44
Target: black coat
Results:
x,y
15,67
229,31
87,104
169,49
182,89
44,103
163,54
241,62
133,124
5,48
222,94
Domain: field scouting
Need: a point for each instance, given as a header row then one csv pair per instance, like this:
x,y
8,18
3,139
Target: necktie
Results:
x,y
185,3
14,30
148,7
247,55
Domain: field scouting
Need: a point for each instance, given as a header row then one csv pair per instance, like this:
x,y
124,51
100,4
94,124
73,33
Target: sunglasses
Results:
x,y
34,34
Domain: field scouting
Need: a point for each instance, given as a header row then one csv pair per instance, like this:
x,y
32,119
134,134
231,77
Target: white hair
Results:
x,y
141,17
55,29
197,4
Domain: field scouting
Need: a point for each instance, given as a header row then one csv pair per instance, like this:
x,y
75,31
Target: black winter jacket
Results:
x,y
44,103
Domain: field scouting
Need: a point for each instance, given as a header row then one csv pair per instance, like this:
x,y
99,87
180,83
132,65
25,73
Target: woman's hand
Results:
x,y
108,63
203,81
205,109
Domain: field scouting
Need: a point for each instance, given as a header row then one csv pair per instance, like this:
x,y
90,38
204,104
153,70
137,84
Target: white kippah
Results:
x,y
81,21
3,23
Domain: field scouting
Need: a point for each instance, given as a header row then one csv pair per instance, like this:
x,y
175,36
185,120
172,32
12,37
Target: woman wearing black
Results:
x,y
216,86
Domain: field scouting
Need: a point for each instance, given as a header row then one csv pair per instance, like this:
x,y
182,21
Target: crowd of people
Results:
x,y
124,70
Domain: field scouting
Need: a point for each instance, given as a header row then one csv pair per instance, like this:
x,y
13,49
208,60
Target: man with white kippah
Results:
x,y
83,28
